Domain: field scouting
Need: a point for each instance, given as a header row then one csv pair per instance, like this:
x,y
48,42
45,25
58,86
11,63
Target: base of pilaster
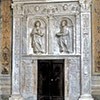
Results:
x,y
86,97
16,97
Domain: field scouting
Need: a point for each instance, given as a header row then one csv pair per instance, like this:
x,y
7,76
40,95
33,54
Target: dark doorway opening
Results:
x,y
50,79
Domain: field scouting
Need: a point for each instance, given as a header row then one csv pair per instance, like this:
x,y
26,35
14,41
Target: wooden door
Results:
x,y
51,80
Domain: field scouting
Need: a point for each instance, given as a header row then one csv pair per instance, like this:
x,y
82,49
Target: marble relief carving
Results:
x,y
49,17
64,37
48,31
37,35
37,38
59,33
52,8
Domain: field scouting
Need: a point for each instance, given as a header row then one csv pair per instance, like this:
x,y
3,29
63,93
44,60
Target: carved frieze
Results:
x,y
46,8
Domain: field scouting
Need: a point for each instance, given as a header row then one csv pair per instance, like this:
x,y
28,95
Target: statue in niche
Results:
x,y
63,37
37,38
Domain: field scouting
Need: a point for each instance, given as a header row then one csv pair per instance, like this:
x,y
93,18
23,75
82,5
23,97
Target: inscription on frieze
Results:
x,y
51,8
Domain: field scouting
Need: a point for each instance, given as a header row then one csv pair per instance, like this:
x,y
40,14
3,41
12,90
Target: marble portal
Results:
x,y
51,30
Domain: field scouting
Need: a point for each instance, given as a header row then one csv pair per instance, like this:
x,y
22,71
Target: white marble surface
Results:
x,y
77,62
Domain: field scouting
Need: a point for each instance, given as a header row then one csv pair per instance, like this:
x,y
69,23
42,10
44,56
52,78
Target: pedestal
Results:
x,y
16,97
86,97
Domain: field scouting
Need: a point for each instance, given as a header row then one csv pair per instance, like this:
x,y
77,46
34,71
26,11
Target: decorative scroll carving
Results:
x,y
86,54
55,8
96,36
63,37
37,38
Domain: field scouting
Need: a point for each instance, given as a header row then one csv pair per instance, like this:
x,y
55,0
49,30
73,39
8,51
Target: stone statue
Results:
x,y
63,37
37,38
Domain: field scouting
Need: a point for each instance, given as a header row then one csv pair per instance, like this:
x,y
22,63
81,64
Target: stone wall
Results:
x,y
5,49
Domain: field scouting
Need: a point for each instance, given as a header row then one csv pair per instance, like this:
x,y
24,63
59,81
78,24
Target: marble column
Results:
x,y
86,50
17,21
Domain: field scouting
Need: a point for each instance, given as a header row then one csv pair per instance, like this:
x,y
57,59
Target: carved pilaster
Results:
x,y
16,60
74,75
17,21
86,50
28,77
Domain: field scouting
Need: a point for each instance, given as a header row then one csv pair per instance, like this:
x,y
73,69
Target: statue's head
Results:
x,y
63,23
37,24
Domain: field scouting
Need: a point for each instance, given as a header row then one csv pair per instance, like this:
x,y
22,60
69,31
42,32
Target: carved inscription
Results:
x,y
55,8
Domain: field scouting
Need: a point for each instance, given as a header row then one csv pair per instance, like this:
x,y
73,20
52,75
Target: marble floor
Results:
x,y
6,97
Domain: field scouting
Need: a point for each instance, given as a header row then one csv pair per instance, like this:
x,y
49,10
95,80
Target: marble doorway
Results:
x,y
51,30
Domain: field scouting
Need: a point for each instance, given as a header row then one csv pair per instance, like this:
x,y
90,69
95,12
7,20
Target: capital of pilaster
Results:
x,y
85,5
17,8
